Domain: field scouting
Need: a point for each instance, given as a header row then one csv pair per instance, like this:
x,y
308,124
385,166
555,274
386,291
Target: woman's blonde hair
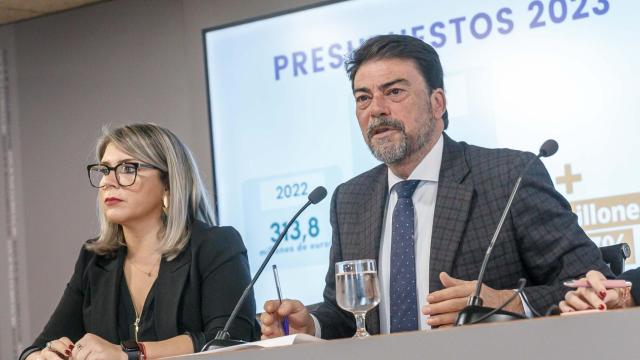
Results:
x,y
187,197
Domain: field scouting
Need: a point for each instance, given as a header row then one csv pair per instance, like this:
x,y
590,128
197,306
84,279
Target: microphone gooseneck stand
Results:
x,y
474,312
223,338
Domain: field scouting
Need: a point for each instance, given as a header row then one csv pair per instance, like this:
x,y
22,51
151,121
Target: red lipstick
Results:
x,y
112,201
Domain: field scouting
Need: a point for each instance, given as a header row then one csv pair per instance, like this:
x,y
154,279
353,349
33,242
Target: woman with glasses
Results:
x,y
160,279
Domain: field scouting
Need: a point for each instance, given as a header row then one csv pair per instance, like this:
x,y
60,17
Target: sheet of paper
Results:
x,y
262,344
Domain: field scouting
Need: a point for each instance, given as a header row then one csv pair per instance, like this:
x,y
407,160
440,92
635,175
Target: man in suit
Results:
x,y
428,213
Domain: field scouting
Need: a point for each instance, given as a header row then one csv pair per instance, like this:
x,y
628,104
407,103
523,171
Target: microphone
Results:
x,y
549,148
223,339
474,312
318,194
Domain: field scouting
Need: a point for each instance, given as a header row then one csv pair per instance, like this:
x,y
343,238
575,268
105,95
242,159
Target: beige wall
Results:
x,y
116,62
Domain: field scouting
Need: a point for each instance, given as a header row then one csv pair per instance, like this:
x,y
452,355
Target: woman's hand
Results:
x,y
55,349
93,347
596,296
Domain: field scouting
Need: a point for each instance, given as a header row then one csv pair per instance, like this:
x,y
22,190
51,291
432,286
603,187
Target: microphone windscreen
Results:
x,y
317,194
548,148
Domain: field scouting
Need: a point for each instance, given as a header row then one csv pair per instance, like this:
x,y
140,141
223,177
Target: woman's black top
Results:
x,y
127,316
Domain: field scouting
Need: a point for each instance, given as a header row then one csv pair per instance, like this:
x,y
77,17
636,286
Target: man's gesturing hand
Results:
x,y
443,305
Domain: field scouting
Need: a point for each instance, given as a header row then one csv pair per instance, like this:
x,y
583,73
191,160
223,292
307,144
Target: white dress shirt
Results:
x,y
424,203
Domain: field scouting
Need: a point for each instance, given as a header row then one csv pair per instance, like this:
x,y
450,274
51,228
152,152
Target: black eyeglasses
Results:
x,y
126,173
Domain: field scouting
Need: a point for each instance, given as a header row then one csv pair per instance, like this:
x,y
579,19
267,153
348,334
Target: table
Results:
x,y
606,335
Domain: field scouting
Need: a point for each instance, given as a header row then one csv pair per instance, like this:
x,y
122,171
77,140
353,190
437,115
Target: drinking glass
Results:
x,y
357,290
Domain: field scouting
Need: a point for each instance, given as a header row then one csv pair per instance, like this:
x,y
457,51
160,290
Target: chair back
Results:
x,y
615,255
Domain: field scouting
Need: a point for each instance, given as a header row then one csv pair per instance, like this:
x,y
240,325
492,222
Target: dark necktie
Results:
x,y
402,284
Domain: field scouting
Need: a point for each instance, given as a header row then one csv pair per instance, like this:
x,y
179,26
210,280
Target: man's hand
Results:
x,y
274,313
445,304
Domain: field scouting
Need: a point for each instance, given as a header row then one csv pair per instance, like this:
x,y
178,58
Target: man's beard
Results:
x,y
390,152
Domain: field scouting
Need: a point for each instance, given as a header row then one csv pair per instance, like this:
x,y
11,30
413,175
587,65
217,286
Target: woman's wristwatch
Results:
x,y
134,350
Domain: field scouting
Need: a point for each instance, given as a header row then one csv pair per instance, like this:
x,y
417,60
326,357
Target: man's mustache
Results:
x,y
383,122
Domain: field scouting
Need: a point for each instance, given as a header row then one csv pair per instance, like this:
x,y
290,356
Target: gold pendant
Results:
x,y
135,329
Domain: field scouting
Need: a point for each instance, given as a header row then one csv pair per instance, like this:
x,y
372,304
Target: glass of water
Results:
x,y
357,290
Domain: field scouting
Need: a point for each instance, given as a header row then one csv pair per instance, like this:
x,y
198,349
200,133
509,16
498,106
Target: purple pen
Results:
x,y
285,322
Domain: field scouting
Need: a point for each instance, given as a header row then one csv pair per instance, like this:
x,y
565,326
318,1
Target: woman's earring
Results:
x,y
165,203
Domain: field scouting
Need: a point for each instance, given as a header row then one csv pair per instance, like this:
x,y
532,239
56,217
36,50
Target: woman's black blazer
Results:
x,y
195,292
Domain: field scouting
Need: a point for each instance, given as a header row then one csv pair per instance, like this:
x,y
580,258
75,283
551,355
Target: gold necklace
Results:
x,y
148,273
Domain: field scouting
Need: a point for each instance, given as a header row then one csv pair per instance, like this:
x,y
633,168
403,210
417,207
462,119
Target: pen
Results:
x,y
285,322
609,284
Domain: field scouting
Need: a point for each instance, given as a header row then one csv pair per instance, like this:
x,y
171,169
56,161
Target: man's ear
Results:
x,y
438,103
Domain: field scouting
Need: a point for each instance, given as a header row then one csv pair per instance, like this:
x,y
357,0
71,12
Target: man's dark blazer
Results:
x,y
195,292
540,241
